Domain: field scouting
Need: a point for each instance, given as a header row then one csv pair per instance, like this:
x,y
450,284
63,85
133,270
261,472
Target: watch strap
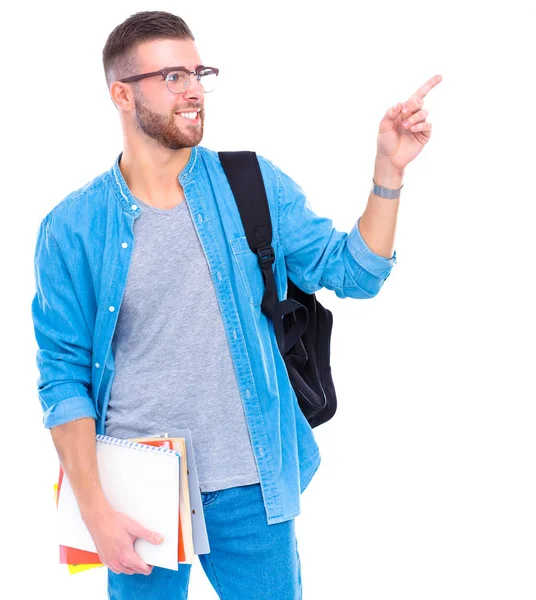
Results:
x,y
385,192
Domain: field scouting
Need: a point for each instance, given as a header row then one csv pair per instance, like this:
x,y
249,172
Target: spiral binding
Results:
x,y
111,441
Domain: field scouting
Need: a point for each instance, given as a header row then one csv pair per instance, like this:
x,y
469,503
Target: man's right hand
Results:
x,y
114,534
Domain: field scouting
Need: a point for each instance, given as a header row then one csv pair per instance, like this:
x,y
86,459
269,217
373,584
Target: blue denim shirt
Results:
x,y
82,257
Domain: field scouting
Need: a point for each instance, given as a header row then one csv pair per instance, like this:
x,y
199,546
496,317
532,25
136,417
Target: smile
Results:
x,y
192,117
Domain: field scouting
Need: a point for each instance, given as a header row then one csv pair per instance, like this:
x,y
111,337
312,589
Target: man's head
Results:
x,y
144,43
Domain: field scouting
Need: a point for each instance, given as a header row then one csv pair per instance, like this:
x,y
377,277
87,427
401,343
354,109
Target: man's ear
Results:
x,y
121,95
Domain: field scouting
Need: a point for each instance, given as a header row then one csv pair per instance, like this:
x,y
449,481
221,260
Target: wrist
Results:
x,y
386,175
94,508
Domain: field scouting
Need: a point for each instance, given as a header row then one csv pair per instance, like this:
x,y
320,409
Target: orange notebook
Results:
x,y
76,558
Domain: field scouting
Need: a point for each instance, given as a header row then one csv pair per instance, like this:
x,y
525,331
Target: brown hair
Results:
x,y
119,52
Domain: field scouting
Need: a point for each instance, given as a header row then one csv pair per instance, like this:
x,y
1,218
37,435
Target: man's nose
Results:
x,y
194,88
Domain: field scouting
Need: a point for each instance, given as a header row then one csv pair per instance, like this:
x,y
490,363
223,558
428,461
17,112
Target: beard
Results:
x,y
166,130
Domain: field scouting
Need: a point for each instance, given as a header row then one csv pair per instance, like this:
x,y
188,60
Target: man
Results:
x,y
159,236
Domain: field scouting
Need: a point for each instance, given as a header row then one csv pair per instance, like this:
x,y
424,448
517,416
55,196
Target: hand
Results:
x,y
114,534
397,144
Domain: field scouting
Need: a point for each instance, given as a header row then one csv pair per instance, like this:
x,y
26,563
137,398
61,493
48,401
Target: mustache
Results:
x,y
187,108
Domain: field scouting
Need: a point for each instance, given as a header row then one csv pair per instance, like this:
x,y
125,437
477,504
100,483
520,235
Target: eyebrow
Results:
x,y
196,67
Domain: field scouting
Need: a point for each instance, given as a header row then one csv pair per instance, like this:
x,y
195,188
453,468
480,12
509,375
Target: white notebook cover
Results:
x,y
139,480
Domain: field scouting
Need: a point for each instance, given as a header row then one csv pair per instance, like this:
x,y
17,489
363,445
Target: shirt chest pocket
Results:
x,y
249,269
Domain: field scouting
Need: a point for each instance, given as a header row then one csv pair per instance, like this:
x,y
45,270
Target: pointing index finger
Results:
x,y
432,82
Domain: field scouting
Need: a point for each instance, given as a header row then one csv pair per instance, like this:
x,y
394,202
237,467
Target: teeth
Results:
x,y
190,115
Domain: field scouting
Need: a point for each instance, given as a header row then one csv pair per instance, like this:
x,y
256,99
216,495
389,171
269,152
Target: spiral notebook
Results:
x,y
139,480
199,528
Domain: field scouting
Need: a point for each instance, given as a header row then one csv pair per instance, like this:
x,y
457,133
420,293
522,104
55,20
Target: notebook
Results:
x,y
81,560
199,528
139,480
186,547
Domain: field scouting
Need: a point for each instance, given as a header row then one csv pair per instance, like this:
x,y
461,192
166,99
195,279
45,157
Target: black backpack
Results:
x,y
302,325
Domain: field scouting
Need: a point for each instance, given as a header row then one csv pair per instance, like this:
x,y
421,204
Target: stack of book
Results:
x,y
154,481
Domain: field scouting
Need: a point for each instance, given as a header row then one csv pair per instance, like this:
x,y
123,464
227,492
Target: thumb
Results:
x,y
394,111
142,532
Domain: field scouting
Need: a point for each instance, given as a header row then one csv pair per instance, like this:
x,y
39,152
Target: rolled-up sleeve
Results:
x,y
64,341
318,255
375,268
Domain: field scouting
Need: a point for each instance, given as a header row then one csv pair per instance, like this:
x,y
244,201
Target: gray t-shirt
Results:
x,y
173,365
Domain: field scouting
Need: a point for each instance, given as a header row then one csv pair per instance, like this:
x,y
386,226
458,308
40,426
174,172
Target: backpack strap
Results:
x,y
245,178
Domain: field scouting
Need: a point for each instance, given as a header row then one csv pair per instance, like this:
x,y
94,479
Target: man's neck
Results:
x,y
153,176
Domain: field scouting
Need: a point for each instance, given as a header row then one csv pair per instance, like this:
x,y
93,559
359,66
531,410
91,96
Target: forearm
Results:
x,y
76,448
377,225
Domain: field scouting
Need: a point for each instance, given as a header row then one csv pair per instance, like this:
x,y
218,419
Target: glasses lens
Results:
x,y
177,81
208,79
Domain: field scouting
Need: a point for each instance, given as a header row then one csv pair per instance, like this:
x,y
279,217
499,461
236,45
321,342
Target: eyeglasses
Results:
x,y
178,78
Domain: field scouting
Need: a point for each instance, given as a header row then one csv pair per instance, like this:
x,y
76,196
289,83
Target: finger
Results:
x,y
415,118
396,108
416,101
431,83
140,531
394,111
424,126
139,565
119,569
410,106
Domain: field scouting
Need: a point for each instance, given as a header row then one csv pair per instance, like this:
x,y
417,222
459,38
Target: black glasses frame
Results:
x,y
165,72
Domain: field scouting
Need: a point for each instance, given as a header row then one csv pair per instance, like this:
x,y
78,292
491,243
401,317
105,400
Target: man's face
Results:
x,y
156,108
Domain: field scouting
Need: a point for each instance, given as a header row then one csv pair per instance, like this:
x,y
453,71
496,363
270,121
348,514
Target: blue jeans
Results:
x,y
248,559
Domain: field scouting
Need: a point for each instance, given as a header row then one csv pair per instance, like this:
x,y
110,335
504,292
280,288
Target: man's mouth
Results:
x,y
189,116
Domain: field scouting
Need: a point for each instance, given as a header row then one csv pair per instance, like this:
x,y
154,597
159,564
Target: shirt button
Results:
x,y
97,365
134,207
234,333
261,451
124,244
219,275
111,308
200,218
247,393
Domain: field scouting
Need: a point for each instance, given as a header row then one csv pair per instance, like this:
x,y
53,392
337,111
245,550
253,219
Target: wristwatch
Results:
x,y
385,192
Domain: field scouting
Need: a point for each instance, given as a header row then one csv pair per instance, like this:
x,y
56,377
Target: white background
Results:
x,y
426,488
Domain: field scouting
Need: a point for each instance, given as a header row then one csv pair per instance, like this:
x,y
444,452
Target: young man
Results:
x,y
147,317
